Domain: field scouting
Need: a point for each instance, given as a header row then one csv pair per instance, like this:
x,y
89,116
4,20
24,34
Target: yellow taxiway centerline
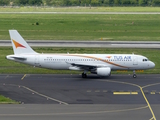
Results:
x,y
125,93
141,88
23,77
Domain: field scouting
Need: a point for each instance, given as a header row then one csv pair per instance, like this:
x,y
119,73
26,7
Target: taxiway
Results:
x,y
71,97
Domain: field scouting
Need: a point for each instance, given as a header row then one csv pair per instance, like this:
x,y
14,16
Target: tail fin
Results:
x,y
19,45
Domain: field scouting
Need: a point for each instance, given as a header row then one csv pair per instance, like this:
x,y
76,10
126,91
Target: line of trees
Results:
x,y
82,2
21,2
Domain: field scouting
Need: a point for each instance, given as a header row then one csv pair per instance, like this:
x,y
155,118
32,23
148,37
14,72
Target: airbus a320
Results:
x,y
100,64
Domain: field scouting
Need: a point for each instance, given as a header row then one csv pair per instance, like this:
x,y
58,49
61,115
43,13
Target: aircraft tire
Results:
x,y
84,75
134,76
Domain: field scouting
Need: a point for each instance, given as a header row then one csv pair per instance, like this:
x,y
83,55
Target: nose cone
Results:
x,y
152,65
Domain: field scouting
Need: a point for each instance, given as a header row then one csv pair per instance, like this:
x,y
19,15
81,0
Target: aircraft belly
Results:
x,y
56,65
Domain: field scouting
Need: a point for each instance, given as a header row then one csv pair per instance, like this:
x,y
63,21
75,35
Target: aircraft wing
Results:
x,y
86,66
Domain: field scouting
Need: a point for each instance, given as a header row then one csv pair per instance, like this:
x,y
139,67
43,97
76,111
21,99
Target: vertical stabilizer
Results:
x,y
20,46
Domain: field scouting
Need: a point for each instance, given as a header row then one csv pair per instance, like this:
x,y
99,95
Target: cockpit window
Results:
x,y
145,59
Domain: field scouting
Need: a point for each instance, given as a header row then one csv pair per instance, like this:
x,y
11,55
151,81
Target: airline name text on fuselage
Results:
x,y
122,57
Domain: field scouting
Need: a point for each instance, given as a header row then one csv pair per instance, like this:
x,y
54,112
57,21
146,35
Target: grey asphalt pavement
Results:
x,y
104,44
71,97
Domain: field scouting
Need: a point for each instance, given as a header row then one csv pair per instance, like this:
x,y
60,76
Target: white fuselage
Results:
x,y
67,61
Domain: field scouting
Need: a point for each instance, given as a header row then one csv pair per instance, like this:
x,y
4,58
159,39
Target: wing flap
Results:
x,y
87,66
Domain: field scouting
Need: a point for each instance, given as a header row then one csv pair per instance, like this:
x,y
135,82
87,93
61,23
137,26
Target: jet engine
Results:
x,y
104,71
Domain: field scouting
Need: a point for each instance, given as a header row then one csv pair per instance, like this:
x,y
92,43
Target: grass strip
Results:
x,y
82,27
5,100
79,9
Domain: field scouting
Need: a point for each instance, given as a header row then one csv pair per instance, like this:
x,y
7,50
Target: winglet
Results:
x,y
19,45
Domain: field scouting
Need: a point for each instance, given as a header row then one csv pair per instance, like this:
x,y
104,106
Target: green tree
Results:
x,y
4,2
22,2
125,2
95,2
55,2
156,2
149,2
106,2
35,2
101,2
67,2
74,2
59,3
142,2
116,2
109,2
48,2
134,2
85,2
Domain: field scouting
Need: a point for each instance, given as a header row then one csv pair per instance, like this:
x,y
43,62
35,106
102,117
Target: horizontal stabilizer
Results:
x,y
13,57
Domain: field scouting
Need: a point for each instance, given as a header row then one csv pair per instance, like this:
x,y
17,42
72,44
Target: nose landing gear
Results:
x,y
134,74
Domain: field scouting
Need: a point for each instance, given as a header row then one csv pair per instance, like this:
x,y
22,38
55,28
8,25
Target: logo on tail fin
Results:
x,y
17,44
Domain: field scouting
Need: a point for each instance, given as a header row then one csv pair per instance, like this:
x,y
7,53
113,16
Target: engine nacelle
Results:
x,y
104,71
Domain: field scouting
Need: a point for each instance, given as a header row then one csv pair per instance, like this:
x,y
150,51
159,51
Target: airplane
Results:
x,y
100,64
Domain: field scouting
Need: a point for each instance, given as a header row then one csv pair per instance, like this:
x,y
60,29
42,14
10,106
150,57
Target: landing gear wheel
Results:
x,y
134,75
84,75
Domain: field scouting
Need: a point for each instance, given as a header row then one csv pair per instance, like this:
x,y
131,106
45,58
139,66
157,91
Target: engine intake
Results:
x,y
105,71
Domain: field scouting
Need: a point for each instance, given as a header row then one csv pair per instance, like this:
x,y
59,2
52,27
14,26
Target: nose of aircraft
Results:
x,y
152,65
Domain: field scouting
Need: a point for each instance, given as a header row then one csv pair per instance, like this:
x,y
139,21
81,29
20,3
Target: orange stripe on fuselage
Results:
x,y
106,61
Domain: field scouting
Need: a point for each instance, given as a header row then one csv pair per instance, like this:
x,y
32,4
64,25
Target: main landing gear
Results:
x,y
84,75
134,74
